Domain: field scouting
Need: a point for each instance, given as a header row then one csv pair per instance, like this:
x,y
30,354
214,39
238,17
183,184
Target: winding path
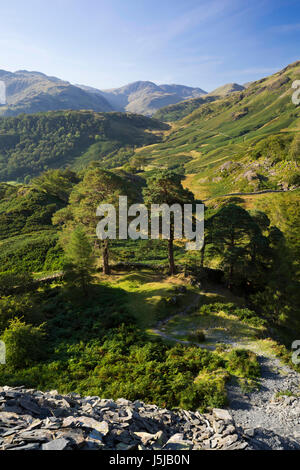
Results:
x,y
269,416
255,193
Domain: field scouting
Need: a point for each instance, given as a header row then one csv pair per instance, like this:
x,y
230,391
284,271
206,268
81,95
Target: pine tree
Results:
x,y
79,260
165,187
97,187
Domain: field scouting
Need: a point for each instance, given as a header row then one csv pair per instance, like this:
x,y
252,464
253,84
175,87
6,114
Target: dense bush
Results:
x,y
33,253
274,147
244,314
126,364
243,363
26,211
25,344
12,282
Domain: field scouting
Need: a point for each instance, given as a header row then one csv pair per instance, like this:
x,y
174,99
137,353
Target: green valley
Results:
x,y
146,319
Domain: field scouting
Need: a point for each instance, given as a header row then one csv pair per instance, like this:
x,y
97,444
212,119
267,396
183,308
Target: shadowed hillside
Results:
x,y
30,144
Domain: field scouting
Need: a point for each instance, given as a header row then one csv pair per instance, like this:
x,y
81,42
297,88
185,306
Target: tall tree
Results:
x,y
97,187
165,187
79,260
238,240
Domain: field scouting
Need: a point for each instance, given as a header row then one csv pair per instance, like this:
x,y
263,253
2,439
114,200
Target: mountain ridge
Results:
x,y
30,92
177,111
145,97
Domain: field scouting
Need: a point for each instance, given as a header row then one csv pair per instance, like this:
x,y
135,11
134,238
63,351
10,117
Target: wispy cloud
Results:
x,y
161,34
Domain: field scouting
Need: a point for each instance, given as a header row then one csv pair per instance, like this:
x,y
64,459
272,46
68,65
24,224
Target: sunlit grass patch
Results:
x,y
218,327
147,292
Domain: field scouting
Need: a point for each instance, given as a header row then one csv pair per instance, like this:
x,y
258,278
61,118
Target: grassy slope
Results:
x,y
228,130
175,112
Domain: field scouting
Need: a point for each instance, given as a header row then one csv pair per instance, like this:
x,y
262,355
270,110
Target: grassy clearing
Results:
x,y
147,294
148,302
218,328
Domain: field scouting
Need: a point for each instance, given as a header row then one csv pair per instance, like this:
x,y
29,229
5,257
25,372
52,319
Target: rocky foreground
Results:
x,y
33,420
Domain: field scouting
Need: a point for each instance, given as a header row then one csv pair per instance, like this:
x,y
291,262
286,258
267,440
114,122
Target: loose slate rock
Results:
x,y
50,421
56,444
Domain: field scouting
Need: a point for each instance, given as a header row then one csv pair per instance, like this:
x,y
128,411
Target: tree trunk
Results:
x,y
105,254
85,290
202,256
230,277
171,254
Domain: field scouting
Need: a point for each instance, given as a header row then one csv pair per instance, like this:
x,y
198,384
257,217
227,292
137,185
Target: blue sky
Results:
x,y
108,43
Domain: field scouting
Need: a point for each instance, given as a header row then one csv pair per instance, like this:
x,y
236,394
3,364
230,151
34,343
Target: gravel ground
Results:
x,y
266,420
269,421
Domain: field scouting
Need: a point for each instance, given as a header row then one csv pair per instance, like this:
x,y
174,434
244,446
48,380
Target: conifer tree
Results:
x,y
79,260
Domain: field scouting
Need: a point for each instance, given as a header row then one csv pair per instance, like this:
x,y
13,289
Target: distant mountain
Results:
x,y
144,97
175,112
31,92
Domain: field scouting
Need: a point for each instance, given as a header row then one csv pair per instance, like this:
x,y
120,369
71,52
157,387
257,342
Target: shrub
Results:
x,y
294,179
11,282
244,314
25,344
21,307
125,363
243,363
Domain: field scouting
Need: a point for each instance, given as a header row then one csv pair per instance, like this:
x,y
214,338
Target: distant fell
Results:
x,y
32,92
177,111
144,97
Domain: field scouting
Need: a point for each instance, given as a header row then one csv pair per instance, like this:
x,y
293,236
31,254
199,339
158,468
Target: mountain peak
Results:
x,y
32,92
227,89
146,97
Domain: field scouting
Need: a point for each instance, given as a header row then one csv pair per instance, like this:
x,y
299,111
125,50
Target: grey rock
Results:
x,y
56,444
122,446
227,441
29,405
178,442
223,415
27,447
92,423
38,435
123,402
